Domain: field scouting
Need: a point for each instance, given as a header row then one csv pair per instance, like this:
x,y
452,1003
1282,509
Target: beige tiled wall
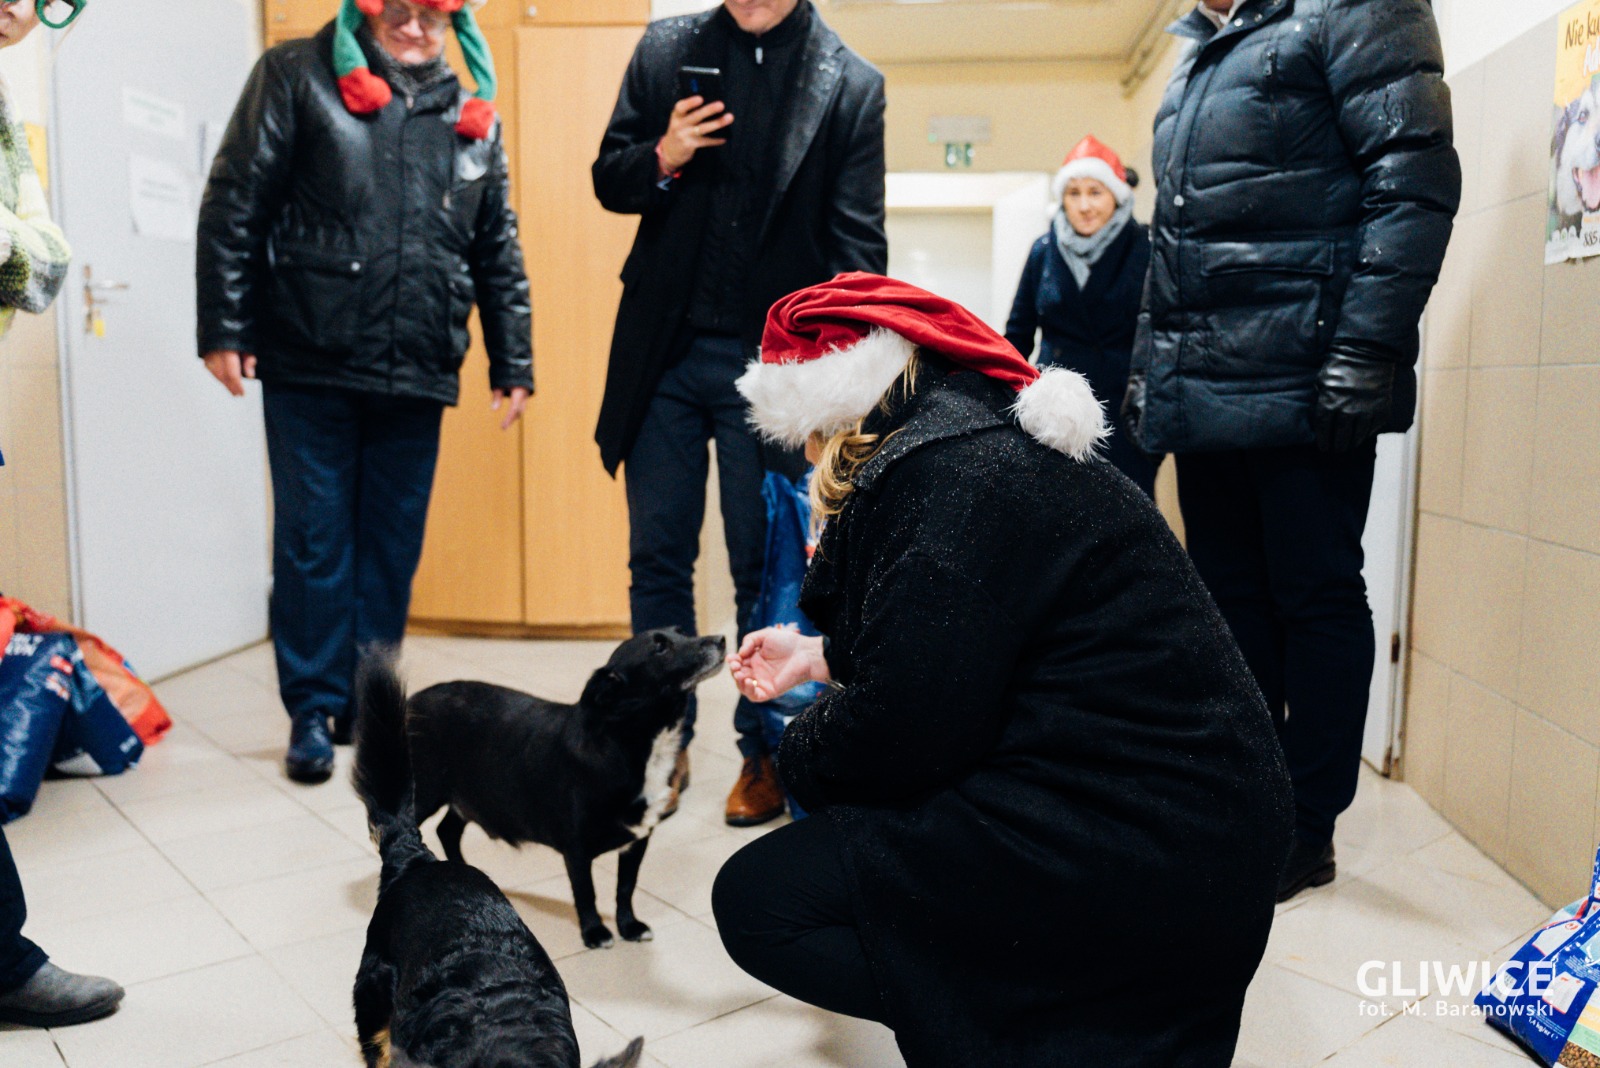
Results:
x,y
1503,712
33,510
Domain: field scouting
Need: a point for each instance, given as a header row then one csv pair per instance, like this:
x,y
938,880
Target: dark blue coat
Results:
x,y
1306,189
1089,330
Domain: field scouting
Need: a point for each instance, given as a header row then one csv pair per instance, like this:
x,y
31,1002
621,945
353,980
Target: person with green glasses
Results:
x,y
56,14
33,265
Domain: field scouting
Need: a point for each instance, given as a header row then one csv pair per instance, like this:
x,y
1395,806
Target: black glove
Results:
x,y
1354,397
1132,405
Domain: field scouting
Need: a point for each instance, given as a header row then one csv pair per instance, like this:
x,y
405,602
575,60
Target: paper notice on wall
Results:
x,y
161,199
1573,231
157,114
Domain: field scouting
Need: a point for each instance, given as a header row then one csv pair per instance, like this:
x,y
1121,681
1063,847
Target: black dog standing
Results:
x,y
583,779
450,977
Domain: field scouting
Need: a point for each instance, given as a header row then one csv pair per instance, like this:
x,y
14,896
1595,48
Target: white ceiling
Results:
x,y
916,31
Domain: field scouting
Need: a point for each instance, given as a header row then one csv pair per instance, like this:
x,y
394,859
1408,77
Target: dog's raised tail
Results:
x,y
382,773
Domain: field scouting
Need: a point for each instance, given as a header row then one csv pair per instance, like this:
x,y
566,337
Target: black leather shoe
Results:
x,y
310,755
1310,864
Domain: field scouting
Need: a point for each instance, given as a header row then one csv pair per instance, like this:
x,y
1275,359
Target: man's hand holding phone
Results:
x,y
693,126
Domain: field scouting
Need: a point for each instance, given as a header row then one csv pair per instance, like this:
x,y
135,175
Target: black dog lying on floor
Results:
x,y
451,977
583,779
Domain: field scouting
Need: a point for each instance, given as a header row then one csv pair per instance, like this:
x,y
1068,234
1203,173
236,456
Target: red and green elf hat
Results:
x,y
365,92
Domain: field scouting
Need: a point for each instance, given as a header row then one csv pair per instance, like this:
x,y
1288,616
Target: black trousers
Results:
x,y
696,404
783,909
1276,535
19,958
351,477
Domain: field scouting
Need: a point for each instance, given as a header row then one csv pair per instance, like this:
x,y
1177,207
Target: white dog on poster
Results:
x,y
1575,152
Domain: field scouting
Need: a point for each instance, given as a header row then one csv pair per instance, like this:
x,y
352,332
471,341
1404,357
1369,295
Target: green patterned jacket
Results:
x,y
34,255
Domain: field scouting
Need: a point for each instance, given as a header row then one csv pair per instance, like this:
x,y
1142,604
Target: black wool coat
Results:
x,y
1058,789
347,250
824,216
1306,188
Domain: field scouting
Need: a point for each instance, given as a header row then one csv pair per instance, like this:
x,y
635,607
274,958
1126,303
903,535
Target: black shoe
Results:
x,y
310,755
1310,864
57,998
343,732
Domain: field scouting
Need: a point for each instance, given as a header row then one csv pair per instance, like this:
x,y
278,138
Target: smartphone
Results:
x,y
705,82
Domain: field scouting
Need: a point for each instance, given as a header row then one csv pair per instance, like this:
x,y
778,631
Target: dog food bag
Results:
x,y
1544,996
35,694
94,738
132,697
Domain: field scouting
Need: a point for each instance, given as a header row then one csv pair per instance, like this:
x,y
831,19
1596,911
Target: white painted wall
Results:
x,y
1472,29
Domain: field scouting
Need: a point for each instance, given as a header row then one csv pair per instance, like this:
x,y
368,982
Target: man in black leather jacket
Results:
x,y
1307,187
339,258
741,201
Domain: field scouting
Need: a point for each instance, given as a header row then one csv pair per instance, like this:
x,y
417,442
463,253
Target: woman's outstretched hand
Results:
x,y
773,661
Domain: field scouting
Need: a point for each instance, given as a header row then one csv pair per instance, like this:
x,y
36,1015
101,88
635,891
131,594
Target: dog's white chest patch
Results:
x,y
657,788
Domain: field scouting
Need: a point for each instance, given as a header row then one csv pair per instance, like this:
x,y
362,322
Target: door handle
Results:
x,y
94,295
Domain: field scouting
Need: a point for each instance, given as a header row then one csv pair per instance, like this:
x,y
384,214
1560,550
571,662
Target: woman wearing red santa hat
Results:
x,y
1049,809
1082,287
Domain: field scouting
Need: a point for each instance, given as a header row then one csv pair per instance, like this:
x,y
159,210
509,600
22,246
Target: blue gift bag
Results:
x,y
788,555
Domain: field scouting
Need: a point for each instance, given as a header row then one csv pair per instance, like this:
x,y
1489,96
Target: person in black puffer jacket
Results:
x,y
340,255
1307,188
1082,288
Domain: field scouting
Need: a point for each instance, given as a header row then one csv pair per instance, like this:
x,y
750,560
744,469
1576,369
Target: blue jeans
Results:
x,y
351,477
666,472
1276,535
19,958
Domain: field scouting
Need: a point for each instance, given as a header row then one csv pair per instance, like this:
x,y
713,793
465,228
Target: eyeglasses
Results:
x,y
56,14
395,15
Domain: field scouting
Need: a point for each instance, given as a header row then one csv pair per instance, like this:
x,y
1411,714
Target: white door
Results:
x,y
1387,543
168,472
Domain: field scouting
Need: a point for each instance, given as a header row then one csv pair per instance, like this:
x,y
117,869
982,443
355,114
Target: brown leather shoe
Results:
x,y
679,782
756,797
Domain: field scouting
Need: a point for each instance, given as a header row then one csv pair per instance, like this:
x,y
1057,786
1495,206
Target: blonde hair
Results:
x,y
844,453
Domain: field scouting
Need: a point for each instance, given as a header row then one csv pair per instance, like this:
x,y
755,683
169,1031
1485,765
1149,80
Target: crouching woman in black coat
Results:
x,y
1049,807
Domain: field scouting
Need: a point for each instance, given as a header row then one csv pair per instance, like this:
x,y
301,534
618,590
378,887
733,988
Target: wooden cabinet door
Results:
x,y
585,12
285,20
471,569
575,516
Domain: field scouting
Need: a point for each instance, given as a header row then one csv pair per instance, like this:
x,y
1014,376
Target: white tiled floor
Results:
x,y
232,903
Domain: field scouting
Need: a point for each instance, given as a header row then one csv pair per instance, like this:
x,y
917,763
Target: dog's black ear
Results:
x,y
605,688
628,1058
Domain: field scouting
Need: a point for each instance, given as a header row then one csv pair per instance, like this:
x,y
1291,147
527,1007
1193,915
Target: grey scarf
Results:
x,y
1082,253
408,80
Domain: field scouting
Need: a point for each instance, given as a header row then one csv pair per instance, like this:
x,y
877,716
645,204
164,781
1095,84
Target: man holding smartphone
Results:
x,y
767,180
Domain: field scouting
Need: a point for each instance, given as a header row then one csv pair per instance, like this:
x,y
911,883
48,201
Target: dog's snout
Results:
x,y
720,643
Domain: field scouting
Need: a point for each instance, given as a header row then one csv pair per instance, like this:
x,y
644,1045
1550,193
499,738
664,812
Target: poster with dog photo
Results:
x,y
1574,228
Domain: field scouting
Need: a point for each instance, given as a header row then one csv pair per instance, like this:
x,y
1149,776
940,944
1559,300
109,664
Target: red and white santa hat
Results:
x,y
1090,158
830,353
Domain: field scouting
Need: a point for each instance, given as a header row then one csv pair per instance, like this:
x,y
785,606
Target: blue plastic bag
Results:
x,y
1544,996
34,698
54,714
789,548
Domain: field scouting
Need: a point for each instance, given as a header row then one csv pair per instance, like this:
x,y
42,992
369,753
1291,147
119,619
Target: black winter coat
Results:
x,y
1057,787
825,213
1306,190
1089,330
347,250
